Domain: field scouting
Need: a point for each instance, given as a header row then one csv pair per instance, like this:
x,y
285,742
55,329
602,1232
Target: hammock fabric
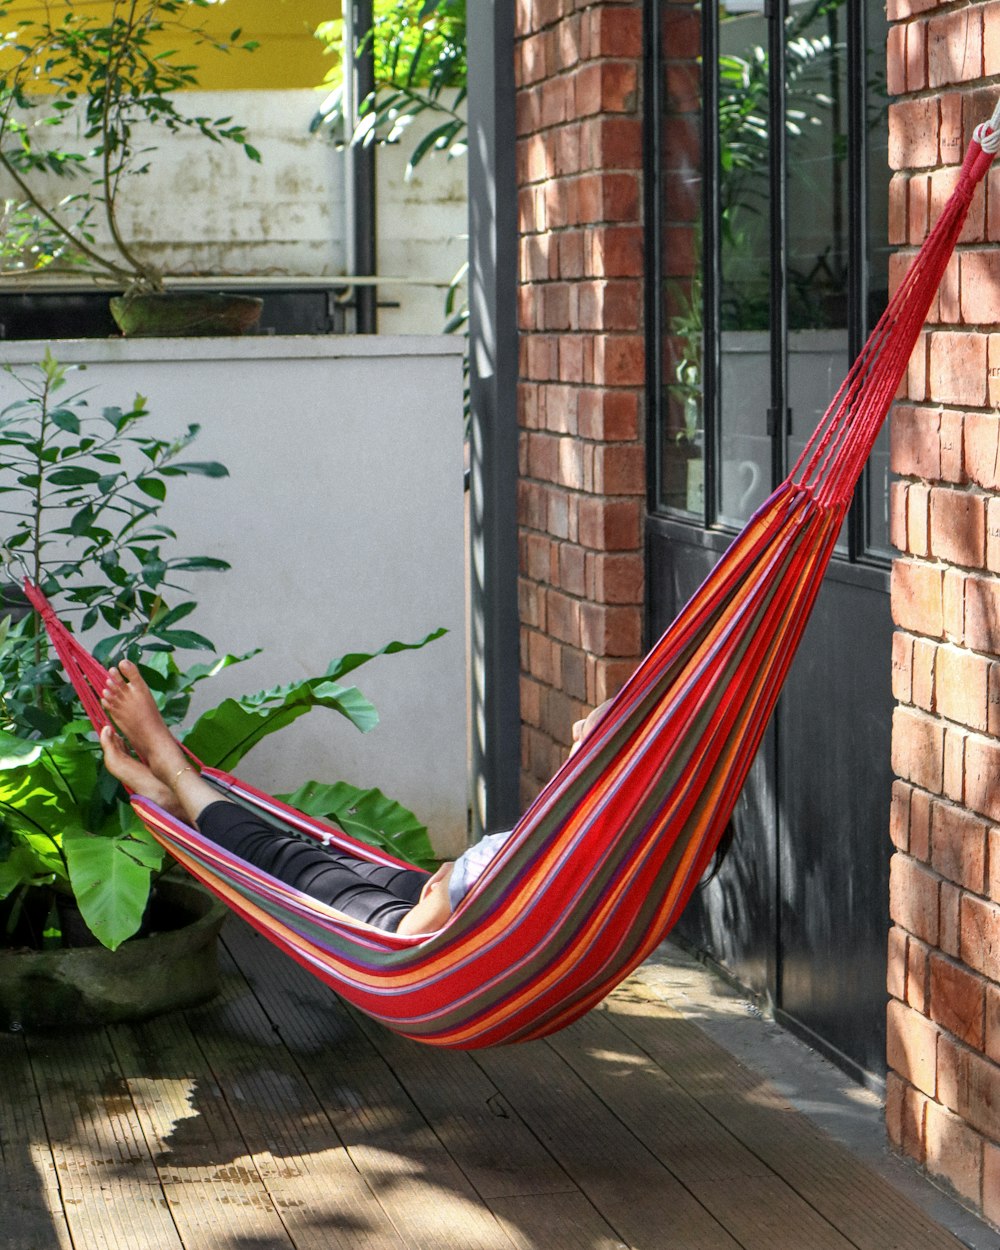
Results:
x,y
599,868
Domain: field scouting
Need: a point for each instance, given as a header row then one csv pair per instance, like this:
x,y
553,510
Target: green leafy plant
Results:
x,y
419,53
113,71
81,493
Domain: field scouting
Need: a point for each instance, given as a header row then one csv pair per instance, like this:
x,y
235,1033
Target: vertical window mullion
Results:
x,y
776,12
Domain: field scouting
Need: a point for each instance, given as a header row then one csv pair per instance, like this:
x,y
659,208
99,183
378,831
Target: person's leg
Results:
x,y
375,893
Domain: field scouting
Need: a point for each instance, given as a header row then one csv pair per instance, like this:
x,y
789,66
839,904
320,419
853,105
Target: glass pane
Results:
x,y
818,218
877,113
744,479
681,432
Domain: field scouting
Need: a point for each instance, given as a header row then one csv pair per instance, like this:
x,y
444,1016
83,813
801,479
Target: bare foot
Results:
x,y
133,773
130,704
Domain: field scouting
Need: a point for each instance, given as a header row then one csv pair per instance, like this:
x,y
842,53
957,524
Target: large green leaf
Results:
x,y
110,877
369,816
21,868
223,735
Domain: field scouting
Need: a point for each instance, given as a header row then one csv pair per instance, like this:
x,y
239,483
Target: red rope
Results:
x,y
833,458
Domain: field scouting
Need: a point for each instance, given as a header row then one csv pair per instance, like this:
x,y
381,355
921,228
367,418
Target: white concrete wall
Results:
x,y
343,520
204,208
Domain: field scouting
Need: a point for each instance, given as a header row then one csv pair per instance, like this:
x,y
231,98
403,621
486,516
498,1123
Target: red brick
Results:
x,y
958,1000
574,674
949,310
899,815
924,674
993,881
898,503
614,305
958,846
898,197
942,183
620,359
917,976
611,415
958,527
913,134
531,602
915,442
904,1115
918,519
993,1022
896,10
954,605
563,615
951,137
617,31
993,701
982,767
961,687
615,252
914,384
616,578
912,1047
572,569
982,448
896,964
950,918
620,469
953,1151
920,825
958,365
611,631
913,898
953,447
969,1084
611,525
980,288
902,667
954,47
991,1182
530,701
918,206
991,37
917,596
982,614
953,784
980,936
896,62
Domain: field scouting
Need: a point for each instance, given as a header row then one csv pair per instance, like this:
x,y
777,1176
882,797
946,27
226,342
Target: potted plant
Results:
x,y
81,492
113,73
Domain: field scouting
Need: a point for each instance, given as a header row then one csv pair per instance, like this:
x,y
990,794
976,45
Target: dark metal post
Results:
x,y
360,167
496,713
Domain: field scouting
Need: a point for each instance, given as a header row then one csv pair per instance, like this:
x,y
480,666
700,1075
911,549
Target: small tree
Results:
x,y
115,72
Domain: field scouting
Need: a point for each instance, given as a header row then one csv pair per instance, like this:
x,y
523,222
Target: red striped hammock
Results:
x,y
599,868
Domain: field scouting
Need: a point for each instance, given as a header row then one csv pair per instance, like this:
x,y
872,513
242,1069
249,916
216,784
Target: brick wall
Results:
x,y
943,1097
582,452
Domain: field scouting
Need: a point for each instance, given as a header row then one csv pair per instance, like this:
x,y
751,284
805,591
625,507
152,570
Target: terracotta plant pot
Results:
x,y
90,985
181,314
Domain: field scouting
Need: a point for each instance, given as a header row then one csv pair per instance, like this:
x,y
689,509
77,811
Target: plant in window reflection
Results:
x,y
744,194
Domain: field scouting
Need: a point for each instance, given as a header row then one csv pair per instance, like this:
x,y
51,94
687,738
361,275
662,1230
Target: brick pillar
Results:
x,y
582,456
943,1096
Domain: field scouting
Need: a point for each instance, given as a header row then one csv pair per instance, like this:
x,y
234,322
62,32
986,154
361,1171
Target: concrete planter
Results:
x,y
145,976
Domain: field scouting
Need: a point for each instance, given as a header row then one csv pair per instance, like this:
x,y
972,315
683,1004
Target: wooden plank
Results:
x,y
212,1188
866,1209
110,1190
561,1222
321,1198
491,1143
425,1194
31,1203
743,1193
639,1198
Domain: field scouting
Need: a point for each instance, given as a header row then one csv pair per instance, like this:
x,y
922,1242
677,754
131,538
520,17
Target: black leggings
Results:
x,y
374,893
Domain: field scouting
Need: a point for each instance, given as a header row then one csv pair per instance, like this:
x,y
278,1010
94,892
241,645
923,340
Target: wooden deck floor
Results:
x,y
275,1117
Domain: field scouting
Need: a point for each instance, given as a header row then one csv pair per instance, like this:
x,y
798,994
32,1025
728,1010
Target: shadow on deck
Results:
x,y
277,1117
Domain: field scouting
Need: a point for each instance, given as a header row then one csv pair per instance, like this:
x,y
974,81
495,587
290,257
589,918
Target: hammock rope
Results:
x,y
600,866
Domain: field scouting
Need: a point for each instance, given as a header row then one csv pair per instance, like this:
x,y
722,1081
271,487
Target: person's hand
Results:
x,y
582,728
